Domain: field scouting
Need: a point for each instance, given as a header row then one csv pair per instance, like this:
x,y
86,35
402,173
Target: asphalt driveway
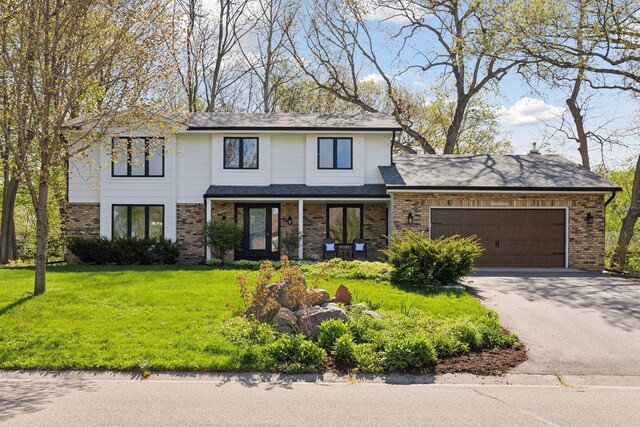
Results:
x,y
570,321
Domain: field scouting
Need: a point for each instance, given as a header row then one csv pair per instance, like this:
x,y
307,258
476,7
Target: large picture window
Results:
x,y
344,223
143,221
240,153
335,153
137,157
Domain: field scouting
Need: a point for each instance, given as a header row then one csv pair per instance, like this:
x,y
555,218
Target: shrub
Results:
x,y
291,242
409,354
419,261
124,251
295,354
223,236
345,349
329,331
367,359
341,269
93,250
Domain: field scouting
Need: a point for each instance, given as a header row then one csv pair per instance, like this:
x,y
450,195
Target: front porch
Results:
x,y
267,220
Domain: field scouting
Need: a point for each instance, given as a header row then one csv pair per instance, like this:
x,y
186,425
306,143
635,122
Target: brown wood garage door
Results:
x,y
510,237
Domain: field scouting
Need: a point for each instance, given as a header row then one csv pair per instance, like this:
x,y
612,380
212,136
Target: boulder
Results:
x,y
371,314
283,293
309,319
284,320
342,295
329,304
360,306
318,296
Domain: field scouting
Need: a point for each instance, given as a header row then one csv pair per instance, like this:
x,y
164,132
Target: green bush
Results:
x,y
329,331
340,269
409,354
368,360
295,354
345,349
124,251
419,261
223,236
291,242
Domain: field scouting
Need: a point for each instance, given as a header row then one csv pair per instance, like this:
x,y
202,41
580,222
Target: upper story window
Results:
x,y
335,153
240,153
142,156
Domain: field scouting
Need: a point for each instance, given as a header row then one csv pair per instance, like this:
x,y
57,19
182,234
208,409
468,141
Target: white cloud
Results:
x,y
373,77
528,111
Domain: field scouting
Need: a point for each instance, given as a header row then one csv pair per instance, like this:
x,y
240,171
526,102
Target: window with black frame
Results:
x,y
142,221
137,157
344,223
335,153
240,153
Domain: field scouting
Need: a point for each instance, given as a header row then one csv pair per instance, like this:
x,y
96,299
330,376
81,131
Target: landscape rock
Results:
x,y
318,296
372,314
342,295
283,293
311,318
360,306
329,304
284,320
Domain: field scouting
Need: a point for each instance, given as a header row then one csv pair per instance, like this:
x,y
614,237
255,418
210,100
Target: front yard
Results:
x,y
166,317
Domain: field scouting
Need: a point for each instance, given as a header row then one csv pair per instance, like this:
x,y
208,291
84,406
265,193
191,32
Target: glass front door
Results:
x,y
261,225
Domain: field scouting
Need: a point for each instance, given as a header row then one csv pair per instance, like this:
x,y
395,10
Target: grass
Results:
x,y
167,316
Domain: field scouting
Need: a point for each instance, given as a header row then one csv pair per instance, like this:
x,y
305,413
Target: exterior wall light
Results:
x,y
224,217
410,218
289,220
589,218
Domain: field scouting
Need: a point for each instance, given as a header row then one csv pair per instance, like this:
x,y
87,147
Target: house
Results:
x,y
334,175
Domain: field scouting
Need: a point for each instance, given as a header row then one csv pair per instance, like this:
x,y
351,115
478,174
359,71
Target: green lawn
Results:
x,y
117,317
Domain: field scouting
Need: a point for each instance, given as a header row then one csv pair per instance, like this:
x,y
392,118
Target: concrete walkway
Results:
x,y
571,322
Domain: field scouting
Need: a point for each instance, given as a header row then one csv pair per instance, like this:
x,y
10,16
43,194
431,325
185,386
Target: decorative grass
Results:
x,y
169,317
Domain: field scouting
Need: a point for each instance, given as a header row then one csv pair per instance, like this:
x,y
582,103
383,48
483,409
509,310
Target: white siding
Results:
x,y
377,152
139,191
288,159
193,175
353,176
223,176
84,177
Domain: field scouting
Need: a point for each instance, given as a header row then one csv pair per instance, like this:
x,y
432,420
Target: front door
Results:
x,y
261,225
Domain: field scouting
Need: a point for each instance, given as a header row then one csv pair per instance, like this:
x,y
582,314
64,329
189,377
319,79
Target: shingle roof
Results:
x,y
291,121
491,172
296,190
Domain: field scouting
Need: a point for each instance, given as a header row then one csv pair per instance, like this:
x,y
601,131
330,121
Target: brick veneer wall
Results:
x,y
586,241
315,229
190,232
83,220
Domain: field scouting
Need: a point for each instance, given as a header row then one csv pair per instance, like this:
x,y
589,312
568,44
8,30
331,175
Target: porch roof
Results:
x,y
276,191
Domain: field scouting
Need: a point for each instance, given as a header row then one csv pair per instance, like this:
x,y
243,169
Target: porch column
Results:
x,y
207,218
300,228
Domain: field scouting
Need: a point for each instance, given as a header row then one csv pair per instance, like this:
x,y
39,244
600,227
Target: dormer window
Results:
x,y
137,156
240,153
335,153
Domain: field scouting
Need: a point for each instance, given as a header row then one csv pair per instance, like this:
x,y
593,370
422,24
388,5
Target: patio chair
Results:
x,y
329,245
359,247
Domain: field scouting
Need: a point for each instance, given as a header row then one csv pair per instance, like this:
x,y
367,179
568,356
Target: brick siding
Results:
x,y
83,220
190,232
586,241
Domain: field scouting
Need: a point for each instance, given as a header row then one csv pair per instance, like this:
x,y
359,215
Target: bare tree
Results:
x,y
57,55
268,57
462,41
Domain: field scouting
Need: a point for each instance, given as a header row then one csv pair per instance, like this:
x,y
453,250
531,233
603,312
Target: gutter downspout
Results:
x,y
204,231
610,199
393,140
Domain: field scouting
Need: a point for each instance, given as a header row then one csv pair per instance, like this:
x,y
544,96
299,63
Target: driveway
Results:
x,y
571,322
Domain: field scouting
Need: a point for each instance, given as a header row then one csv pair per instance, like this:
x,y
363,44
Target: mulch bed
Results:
x,y
485,362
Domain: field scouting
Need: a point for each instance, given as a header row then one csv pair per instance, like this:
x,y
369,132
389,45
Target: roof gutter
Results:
x,y
499,189
610,199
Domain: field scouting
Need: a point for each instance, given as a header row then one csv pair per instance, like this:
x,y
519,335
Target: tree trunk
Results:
x,y
7,223
628,223
42,235
453,133
578,120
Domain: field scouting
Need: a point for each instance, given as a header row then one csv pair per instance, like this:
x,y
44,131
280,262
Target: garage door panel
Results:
x,y
510,237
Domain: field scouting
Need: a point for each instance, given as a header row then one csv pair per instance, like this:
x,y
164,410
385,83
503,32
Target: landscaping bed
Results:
x,y
182,318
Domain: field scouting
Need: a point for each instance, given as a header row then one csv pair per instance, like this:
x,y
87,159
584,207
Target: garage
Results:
x,y
510,237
